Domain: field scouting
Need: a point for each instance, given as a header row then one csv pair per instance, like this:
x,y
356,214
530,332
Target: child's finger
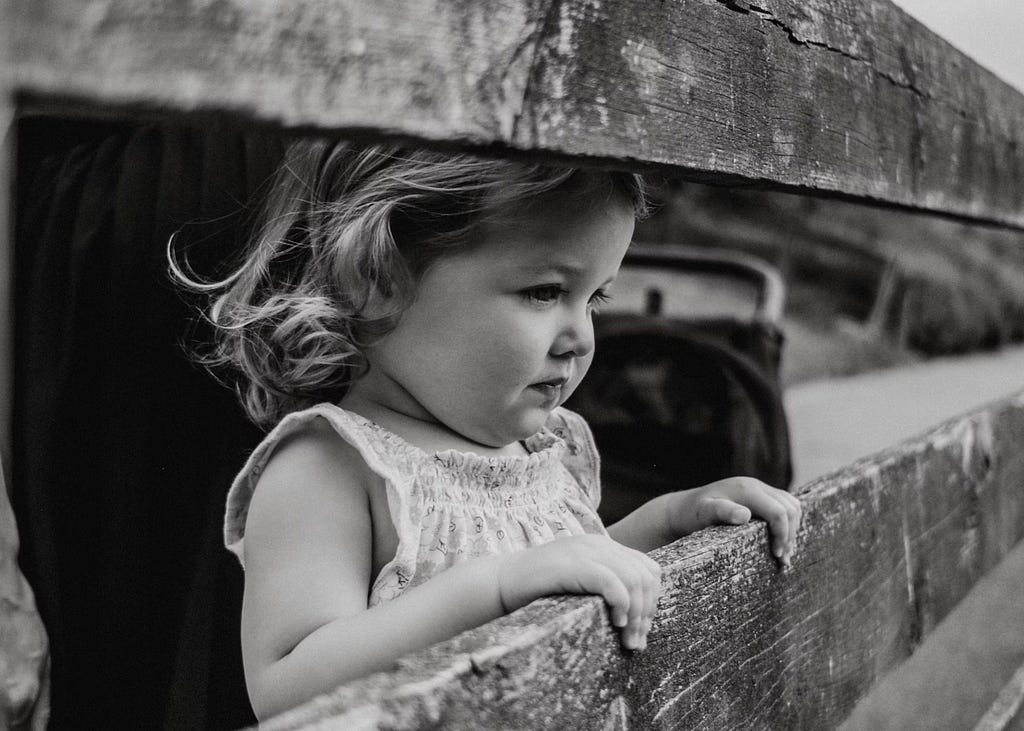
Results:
x,y
628,598
770,508
795,513
633,577
652,590
648,573
631,568
717,510
778,523
607,583
650,577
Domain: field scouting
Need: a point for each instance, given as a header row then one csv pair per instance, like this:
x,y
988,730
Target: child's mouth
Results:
x,y
550,390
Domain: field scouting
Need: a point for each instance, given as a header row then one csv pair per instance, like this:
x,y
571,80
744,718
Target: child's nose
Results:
x,y
576,338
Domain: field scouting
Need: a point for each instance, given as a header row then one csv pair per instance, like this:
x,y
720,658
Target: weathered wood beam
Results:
x,y
889,545
827,96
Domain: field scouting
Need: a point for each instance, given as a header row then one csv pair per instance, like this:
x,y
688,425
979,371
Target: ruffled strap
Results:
x,y
350,429
580,456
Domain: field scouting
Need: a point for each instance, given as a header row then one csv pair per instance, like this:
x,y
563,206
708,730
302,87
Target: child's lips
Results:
x,y
551,389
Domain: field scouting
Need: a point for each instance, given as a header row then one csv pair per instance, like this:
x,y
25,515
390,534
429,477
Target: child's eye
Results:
x,y
599,298
545,294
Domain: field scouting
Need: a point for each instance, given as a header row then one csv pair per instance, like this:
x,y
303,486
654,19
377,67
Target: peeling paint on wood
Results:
x,y
818,95
889,545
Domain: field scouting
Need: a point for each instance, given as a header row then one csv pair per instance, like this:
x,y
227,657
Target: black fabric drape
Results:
x,y
123,450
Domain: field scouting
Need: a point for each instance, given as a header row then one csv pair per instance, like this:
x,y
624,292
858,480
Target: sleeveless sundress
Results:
x,y
452,506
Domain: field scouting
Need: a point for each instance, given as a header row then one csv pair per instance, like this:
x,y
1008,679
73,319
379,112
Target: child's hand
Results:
x,y
629,581
733,501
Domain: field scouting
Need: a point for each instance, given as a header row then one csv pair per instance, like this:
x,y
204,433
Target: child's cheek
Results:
x,y
582,366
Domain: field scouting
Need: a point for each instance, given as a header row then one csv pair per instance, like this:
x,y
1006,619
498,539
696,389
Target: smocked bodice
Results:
x,y
451,506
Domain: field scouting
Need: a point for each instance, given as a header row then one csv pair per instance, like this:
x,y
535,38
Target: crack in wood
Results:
x,y
535,40
916,622
769,17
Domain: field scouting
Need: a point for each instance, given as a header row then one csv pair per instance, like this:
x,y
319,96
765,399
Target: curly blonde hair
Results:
x,y
347,230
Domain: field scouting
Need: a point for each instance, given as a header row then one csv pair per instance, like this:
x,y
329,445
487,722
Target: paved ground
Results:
x,y
956,673
836,421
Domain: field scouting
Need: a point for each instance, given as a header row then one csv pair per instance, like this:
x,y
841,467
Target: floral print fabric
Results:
x,y
453,506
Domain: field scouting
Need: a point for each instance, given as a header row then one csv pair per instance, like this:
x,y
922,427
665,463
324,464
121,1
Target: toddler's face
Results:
x,y
501,334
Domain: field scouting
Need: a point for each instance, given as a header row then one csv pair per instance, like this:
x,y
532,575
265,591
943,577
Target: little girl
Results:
x,y
409,323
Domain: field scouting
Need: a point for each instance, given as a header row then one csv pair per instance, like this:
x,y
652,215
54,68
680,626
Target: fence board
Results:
x,y
821,95
888,546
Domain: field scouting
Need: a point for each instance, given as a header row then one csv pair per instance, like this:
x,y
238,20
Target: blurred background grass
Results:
x,y
867,287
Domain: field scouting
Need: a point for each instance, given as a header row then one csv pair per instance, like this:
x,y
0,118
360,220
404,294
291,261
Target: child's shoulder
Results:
x,y
307,518
318,438
311,463
313,446
309,458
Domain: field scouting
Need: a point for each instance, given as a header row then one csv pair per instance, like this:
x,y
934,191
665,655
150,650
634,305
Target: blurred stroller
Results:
x,y
685,388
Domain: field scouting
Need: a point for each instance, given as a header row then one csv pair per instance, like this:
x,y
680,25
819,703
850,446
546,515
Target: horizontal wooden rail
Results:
x,y
851,98
889,545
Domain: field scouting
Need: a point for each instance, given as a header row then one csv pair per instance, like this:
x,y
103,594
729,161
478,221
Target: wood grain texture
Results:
x,y
888,546
832,96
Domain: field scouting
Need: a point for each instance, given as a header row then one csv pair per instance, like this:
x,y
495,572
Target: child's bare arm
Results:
x,y
731,501
306,627
308,551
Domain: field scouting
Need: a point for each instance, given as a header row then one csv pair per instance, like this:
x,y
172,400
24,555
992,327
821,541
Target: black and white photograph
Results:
x,y
512,364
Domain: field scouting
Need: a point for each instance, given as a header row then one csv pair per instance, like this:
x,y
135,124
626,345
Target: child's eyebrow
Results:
x,y
567,270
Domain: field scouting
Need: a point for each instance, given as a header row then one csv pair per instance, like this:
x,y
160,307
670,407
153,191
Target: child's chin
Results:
x,y
510,433
531,424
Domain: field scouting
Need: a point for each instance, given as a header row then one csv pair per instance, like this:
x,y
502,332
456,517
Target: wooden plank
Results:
x,y
888,545
827,96
952,678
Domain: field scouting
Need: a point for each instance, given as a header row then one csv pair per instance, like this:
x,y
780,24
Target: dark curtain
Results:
x,y
123,449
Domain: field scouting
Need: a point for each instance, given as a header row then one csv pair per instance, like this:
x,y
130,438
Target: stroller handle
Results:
x,y
766,278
